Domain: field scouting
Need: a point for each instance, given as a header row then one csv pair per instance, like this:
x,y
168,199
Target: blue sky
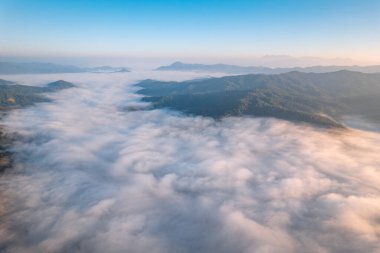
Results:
x,y
169,28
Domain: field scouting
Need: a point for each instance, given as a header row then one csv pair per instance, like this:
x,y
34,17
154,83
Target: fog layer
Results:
x,y
92,176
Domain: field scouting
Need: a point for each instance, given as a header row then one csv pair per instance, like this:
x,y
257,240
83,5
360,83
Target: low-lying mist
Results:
x,y
91,176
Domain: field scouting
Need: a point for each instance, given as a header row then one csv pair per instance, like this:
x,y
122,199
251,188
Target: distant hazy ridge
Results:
x,y
233,69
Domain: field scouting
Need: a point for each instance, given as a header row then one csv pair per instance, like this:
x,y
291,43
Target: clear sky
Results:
x,y
171,28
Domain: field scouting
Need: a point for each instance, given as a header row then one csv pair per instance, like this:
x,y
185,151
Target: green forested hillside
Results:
x,y
318,98
16,95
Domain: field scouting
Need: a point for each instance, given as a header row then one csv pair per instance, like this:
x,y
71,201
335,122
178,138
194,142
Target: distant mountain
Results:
x,y
50,68
107,69
233,69
318,98
13,95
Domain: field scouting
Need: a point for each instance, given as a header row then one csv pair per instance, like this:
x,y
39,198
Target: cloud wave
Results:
x,y
90,176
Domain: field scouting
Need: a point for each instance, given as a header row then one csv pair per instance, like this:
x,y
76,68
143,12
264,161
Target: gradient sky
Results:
x,y
156,28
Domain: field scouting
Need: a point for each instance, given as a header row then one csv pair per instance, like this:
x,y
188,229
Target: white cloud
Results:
x,y
91,177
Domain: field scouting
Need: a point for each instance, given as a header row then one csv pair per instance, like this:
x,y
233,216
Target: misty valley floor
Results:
x,y
90,176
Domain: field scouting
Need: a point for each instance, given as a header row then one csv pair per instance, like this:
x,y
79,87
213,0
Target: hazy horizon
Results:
x,y
233,32
272,61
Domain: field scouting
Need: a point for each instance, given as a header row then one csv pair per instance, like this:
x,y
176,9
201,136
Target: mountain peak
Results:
x,y
177,63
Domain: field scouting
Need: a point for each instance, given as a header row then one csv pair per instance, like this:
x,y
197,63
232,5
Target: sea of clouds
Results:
x,y
92,176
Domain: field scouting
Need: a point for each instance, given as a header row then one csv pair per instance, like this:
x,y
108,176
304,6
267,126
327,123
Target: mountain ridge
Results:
x,y
14,95
51,68
236,69
317,98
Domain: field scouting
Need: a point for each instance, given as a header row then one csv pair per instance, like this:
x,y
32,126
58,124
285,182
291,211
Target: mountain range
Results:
x,y
50,68
322,99
14,95
233,69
